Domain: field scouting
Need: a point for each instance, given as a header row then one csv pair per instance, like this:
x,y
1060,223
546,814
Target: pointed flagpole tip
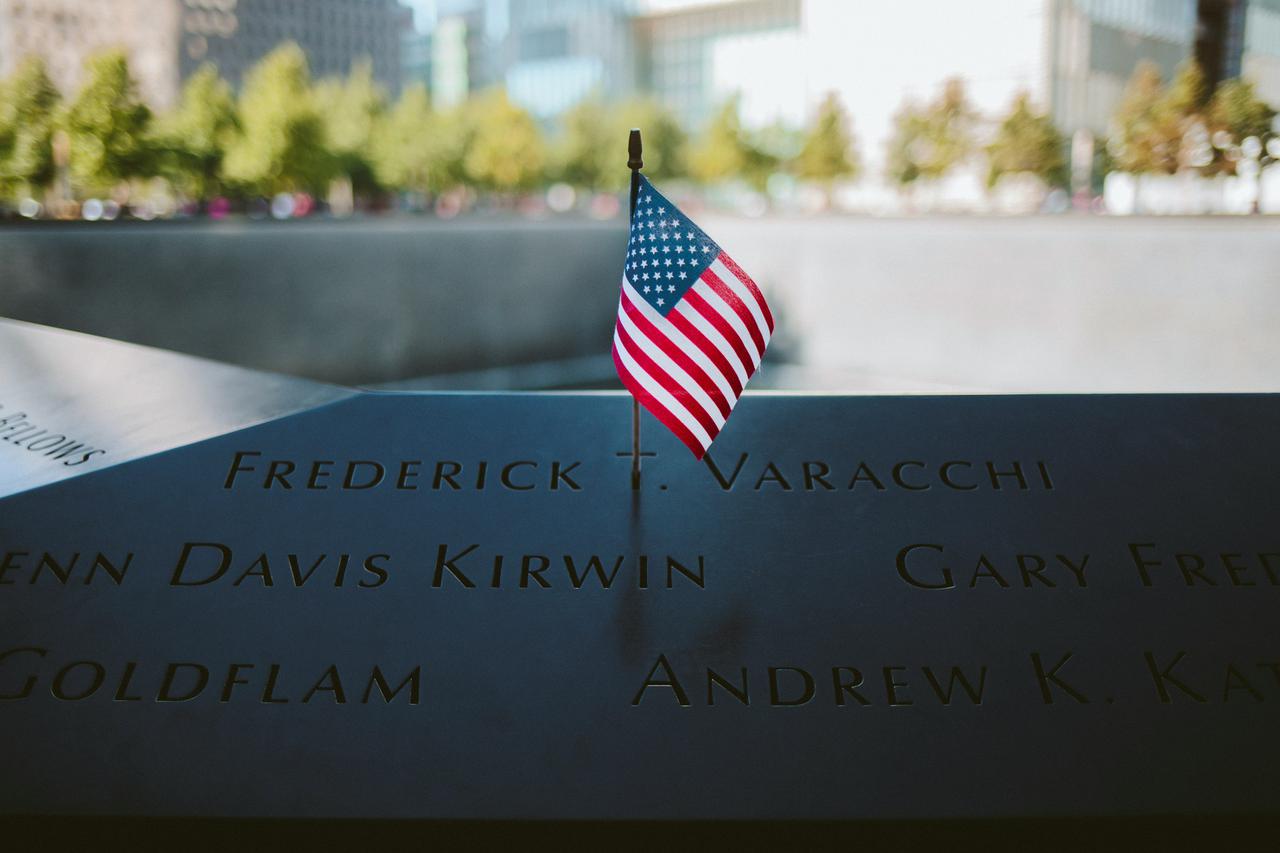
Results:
x,y
634,148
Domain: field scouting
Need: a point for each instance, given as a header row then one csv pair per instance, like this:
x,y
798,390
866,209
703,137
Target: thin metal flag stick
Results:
x,y
635,163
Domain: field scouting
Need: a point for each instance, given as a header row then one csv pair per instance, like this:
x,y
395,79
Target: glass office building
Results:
x,y
1094,46
167,40
689,55
553,53
1261,55
694,56
1074,57
235,34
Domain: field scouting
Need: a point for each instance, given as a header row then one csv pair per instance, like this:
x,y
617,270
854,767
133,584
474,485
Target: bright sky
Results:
x,y
876,54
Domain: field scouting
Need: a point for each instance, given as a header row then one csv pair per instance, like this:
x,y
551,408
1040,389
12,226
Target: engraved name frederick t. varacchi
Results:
x,y
252,469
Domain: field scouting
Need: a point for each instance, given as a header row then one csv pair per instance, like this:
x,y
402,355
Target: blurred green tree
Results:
x,y
28,109
1236,113
907,138
929,142
1136,143
417,149
725,151
1180,118
950,129
350,109
592,150
505,151
281,146
769,149
720,152
586,154
1161,129
1187,92
664,142
827,153
108,127
193,139
1027,143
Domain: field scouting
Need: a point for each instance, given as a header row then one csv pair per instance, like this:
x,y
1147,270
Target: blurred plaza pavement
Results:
x,y
865,305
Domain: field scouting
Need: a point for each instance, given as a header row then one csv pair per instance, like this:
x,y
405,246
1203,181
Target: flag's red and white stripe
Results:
x,y
689,367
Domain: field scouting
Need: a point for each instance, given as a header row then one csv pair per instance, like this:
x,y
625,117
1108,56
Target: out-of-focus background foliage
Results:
x,y
453,160
486,101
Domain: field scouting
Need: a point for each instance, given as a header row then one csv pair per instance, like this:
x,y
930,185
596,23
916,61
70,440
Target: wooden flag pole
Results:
x,y
635,163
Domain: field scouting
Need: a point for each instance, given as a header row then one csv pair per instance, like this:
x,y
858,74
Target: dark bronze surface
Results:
x,y
866,607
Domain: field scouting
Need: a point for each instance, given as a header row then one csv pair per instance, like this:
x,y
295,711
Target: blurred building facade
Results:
x,y
64,32
781,57
1261,59
445,51
548,54
1093,46
553,54
692,56
1074,57
167,40
235,34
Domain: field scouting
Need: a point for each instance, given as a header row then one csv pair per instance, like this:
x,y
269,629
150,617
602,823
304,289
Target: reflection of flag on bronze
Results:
x,y
692,326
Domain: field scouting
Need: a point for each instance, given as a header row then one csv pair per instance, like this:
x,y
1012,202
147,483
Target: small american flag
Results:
x,y
692,326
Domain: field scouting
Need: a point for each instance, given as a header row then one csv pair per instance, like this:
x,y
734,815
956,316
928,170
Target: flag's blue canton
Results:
x,y
667,252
